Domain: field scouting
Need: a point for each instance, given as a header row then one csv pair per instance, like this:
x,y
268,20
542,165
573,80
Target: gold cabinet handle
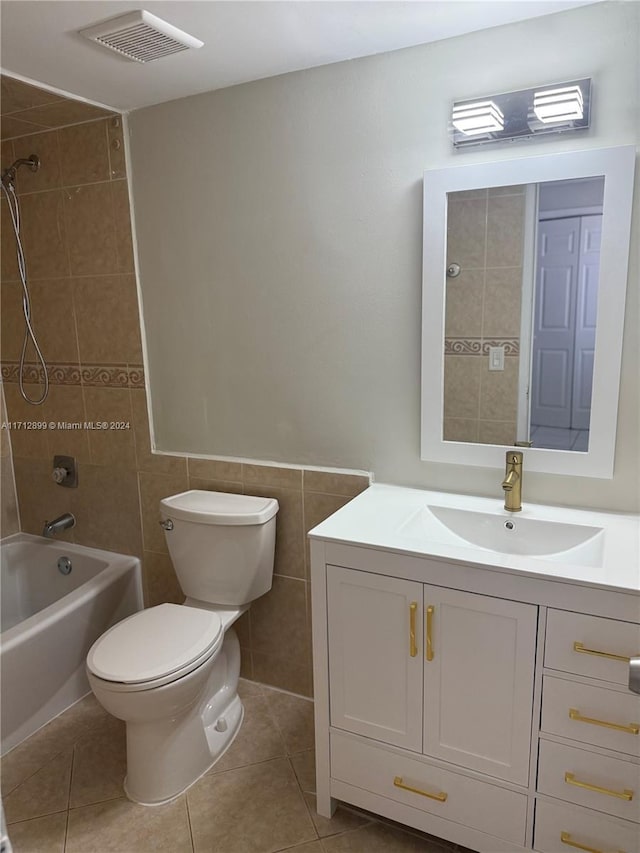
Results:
x,y
429,643
631,728
579,647
413,647
566,838
441,797
570,779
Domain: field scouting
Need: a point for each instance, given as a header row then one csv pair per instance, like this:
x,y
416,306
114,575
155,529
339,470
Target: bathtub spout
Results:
x,y
63,522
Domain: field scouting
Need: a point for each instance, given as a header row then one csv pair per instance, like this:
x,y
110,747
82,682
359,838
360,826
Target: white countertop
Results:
x,y
384,517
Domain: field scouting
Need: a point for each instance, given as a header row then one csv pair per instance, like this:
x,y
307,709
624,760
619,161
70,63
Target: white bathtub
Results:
x,y
50,620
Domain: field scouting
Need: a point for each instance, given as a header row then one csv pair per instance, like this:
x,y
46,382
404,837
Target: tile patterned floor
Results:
x,y
62,792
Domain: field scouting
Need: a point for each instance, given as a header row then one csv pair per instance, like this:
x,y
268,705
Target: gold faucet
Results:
x,y
512,483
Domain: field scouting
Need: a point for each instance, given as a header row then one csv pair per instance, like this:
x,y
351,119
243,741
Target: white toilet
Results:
x,y
171,671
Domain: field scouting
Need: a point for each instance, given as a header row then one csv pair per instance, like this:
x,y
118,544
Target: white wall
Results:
x,y
279,232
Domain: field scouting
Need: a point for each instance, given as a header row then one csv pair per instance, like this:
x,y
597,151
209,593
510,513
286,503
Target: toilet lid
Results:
x,y
154,643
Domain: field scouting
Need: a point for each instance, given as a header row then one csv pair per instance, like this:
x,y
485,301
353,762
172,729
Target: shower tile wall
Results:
x,y
485,233
9,521
79,258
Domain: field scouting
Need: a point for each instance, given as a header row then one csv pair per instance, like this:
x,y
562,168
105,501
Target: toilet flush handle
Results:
x,y
166,525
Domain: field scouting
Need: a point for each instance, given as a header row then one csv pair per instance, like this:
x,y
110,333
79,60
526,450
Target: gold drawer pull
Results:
x,y
579,647
413,648
631,728
441,797
429,643
566,838
570,779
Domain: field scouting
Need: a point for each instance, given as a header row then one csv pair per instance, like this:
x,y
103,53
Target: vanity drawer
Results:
x,y
450,795
593,715
590,645
609,785
560,828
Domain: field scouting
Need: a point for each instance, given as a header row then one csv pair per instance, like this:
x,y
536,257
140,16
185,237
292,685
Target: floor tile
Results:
x,y
343,819
249,688
310,847
294,717
378,838
40,835
46,792
304,766
259,738
256,809
99,764
120,826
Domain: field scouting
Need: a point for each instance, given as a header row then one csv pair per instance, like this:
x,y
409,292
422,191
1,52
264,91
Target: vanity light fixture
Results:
x,y
556,108
564,104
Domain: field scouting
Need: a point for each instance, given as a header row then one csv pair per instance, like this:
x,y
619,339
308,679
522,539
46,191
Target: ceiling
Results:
x,y
243,40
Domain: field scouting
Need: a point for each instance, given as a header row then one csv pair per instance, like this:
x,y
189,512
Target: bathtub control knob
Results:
x,y
64,566
59,475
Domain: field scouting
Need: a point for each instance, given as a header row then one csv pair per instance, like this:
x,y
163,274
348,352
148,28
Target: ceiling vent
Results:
x,y
140,36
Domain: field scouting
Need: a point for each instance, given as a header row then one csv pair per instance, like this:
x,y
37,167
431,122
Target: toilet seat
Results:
x,y
155,647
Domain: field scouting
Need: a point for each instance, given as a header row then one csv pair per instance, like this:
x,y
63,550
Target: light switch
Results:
x,y
496,358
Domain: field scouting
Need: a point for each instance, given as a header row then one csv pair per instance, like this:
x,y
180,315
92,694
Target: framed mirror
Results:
x,y
524,284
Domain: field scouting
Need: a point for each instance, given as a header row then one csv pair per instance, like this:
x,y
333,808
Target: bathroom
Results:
x,y
277,269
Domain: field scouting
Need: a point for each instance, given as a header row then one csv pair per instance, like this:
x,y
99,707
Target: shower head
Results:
x,y
9,175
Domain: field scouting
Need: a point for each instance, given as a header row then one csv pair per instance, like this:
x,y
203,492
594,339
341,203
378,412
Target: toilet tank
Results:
x,y
221,545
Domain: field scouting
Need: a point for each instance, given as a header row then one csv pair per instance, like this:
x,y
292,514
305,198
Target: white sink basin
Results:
x,y
533,537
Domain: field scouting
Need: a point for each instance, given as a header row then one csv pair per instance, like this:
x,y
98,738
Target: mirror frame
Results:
x,y
617,165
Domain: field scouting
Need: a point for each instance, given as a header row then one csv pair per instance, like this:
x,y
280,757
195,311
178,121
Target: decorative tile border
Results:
x,y
480,346
94,375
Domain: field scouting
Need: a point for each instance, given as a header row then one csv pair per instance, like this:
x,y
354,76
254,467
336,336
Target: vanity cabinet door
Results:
x,y
375,656
478,684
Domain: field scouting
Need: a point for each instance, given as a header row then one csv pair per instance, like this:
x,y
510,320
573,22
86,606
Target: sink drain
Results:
x,y
509,525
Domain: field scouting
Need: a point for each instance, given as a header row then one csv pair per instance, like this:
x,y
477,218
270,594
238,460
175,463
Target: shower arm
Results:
x,y
9,175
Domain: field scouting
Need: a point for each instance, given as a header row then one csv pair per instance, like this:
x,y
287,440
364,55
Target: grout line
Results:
x,y
304,799
186,801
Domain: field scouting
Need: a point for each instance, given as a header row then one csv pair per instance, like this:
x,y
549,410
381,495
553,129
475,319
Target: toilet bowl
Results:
x,y
171,671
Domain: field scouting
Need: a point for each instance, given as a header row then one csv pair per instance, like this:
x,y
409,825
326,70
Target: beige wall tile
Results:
x,y
44,231
464,299
17,95
215,469
502,301
65,405
122,222
63,112
283,672
154,487
146,460
26,443
279,620
267,475
11,329
242,627
334,483
108,509
7,155
289,556
91,233
215,486
160,581
45,146
16,127
466,232
84,155
497,432
117,160
505,231
461,386
316,508
9,521
53,319
499,392
40,499
107,318
460,429
110,446
8,263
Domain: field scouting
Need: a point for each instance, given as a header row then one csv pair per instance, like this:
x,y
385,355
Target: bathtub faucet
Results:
x,y
63,522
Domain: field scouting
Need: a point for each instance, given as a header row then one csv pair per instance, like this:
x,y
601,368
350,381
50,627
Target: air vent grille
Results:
x,y
141,36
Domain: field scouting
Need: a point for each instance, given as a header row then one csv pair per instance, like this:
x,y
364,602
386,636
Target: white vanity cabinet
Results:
x,y
437,671
483,704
